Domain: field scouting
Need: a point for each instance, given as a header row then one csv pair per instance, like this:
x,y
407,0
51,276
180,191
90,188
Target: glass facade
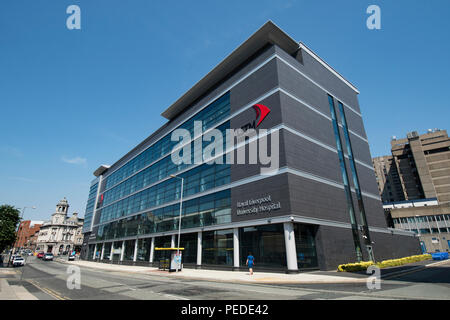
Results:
x,y
306,246
162,242
266,243
348,192
129,250
217,247
153,174
189,243
144,246
90,207
354,173
203,211
199,179
107,252
211,115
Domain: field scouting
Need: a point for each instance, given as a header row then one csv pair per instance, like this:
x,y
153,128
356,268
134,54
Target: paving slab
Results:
x,y
225,276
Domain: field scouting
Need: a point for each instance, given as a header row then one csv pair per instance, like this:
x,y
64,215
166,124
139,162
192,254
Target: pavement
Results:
x,y
313,277
47,280
13,292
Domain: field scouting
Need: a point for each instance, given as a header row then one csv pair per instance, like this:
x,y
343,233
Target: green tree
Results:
x,y
9,219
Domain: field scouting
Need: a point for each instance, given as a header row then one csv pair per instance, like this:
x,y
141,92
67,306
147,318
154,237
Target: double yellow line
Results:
x,y
48,291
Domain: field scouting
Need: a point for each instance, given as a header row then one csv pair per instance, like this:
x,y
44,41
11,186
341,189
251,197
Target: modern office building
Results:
x,y
314,205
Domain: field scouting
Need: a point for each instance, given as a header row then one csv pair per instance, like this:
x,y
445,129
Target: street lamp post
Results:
x,y
179,222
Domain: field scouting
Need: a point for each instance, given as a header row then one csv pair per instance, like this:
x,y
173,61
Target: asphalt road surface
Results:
x,y
47,280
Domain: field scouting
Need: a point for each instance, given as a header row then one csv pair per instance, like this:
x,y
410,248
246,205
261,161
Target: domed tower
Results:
x,y
61,211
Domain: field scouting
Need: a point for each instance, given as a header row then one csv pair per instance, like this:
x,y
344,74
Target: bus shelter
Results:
x,y
169,260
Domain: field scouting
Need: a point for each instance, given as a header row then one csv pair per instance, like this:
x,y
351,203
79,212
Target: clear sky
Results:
x,y
71,100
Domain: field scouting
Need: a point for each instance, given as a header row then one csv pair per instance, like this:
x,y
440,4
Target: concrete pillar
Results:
x,y
95,251
291,252
236,248
112,251
152,249
122,251
199,248
135,250
172,241
103,251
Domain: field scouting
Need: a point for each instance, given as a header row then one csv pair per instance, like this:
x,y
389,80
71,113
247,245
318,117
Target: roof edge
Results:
x,y
268,33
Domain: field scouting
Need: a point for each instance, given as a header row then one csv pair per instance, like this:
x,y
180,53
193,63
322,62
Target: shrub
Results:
x,y
361,266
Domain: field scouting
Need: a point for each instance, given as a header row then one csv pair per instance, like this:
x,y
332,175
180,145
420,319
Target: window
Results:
x,y
217,247
344,173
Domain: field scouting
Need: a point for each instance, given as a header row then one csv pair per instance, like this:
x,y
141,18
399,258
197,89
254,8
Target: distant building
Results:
x,y
414,184
27,234
61,234
426,218
388,180
423,163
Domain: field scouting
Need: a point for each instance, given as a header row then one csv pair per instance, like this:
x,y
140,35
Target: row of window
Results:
x,y
203,211
419,219
199,179
266,243
158,171
348,193
211,115
430,230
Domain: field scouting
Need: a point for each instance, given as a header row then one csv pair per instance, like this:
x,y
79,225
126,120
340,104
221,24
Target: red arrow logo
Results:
x,y
261,111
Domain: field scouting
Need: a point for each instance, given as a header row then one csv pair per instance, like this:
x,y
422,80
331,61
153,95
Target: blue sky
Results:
x,y
71,100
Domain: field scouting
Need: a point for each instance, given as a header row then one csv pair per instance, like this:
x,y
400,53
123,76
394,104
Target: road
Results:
x,y
47,280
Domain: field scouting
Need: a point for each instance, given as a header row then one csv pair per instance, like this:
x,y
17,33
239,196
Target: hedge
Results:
x,y
361,266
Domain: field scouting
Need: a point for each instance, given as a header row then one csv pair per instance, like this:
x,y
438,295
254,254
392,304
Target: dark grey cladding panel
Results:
x,y
367,179
318,200
260,82
334,247
276,187
374,212
299,117
360,149
307,156
241,171
316,71
356,207
302,88
354,121
393,246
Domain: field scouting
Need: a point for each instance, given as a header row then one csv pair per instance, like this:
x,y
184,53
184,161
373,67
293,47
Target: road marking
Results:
x,y
48,291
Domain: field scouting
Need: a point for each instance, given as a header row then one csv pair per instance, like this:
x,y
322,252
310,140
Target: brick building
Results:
x,y
27,234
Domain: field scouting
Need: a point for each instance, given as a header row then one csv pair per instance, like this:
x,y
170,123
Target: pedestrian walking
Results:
x,y
250,262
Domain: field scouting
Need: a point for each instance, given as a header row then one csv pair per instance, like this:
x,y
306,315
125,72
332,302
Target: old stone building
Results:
x,y
61,234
